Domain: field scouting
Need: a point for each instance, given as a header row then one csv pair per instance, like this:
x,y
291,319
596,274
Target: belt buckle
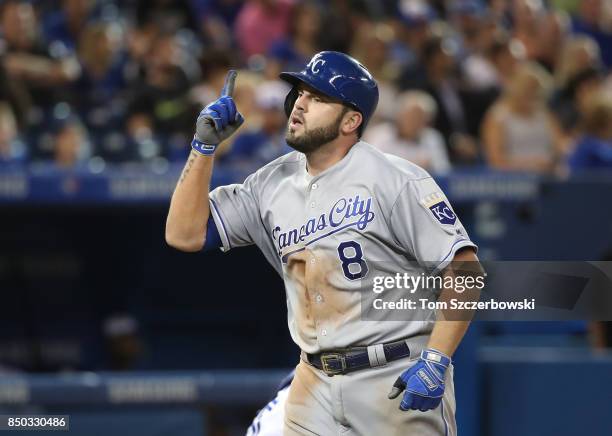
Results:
x,y
325,358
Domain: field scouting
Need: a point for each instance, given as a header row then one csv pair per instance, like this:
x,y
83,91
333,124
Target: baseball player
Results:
x,y
323,216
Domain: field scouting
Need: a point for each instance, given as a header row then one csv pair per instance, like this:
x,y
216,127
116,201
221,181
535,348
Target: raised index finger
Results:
x,y
228,87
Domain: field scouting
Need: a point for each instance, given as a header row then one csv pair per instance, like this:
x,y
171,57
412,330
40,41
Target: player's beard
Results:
x,y
312,140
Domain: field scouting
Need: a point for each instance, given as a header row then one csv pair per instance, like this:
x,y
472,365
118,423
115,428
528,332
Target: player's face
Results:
x,y
315,120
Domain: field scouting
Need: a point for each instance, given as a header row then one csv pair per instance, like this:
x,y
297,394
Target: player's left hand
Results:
x,y
218,120
423,382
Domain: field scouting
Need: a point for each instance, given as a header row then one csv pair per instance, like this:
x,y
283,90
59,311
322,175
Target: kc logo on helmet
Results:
x,y
315,64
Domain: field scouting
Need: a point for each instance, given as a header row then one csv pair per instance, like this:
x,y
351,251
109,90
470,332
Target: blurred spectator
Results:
x,y
554,30
470,19
413,30
594,148
169,15
217,19
528,16
124,345
160,103
99,95
27,61
570,102
256,148
102,62
70,144
519,132
260,23
486,54
459,111
577,76
142,138
293,53
371,47
339,30
63,26
578,53
594,18
139,42
410,136
15,94
541,31
501,11
12,150
495,67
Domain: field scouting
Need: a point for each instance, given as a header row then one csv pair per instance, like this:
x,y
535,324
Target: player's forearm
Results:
x,y
189,207
447,335
452,324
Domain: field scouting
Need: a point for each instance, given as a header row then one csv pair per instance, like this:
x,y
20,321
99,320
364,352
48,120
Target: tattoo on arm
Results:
x,y
190,161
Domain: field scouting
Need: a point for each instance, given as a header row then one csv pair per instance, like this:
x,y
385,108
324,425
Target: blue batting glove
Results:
x,y
423,382
218,120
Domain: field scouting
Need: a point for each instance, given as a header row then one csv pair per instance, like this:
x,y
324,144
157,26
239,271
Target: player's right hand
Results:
x,y
218,120
423,383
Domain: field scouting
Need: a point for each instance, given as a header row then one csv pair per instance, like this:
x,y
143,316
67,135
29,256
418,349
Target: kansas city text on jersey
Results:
x,y
344,213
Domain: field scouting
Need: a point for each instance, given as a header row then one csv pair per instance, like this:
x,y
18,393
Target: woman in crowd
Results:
x,y
519,132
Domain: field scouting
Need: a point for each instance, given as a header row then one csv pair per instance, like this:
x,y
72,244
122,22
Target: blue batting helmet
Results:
x,y
340,77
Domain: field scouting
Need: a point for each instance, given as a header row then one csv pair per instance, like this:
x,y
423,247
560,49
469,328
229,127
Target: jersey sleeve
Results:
x,y
235,210
426,226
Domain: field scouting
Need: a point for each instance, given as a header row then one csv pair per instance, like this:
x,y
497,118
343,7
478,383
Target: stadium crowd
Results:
x,y
519,85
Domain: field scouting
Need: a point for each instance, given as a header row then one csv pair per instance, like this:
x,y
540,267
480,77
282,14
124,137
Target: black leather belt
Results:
x,y
352,359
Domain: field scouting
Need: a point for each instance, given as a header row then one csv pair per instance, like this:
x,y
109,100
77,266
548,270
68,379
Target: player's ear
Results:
x,y
352,121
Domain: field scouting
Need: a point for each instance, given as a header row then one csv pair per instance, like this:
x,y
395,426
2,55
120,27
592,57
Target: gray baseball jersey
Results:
x,y
324,234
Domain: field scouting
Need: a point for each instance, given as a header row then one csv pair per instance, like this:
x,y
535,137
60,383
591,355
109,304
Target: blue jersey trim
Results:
x,y
213,238
229,244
